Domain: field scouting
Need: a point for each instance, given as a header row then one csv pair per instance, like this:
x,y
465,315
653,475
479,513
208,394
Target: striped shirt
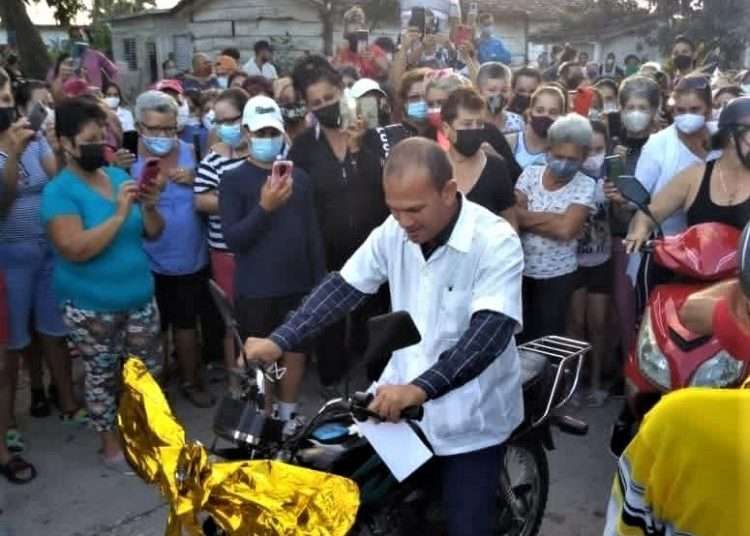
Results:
x,y
23,221
207,180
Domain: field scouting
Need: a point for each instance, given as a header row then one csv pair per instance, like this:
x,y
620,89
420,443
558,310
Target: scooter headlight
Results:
x,y
651,361
721,370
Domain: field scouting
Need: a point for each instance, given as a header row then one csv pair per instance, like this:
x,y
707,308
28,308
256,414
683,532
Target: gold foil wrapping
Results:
x,y
253,498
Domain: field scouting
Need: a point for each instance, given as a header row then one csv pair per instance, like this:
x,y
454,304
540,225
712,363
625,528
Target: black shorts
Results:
x,y
179,298
596,279
259,317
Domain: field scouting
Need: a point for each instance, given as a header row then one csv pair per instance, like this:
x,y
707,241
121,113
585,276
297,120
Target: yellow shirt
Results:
x,y
687,471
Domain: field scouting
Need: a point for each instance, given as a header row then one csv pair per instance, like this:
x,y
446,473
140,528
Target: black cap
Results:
x,y
736,113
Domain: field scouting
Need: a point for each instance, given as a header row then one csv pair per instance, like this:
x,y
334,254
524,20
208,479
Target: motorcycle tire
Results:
x,y
533,494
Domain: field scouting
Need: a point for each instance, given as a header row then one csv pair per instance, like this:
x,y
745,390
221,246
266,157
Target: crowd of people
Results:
x,y
115,218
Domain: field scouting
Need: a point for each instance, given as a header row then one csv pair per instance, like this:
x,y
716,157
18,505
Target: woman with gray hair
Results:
x,y
179,258
553,203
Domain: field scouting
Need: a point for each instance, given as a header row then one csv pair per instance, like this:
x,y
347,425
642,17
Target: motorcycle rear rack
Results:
x,y
566,359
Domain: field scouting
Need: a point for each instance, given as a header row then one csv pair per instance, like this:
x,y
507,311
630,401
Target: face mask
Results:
x,y
631,70
434,117
520,104
7,117
266,149
112,102
689,123
744,158
158,146
745,89
293,113
562,168
416,111
329,116
92,156
486,30
170,73
495,104
636,121
230,134
208,120
574,81
223,82
595,115
610,107
540,125
593,164
183,115
683,62
469,141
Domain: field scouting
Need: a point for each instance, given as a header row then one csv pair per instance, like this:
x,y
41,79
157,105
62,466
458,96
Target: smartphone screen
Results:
x,y
149,173
281,170
614,121
363,39
130,141
37,116
615,167
368,109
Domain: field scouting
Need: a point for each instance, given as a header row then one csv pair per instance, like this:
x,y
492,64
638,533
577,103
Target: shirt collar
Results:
x,y
457,234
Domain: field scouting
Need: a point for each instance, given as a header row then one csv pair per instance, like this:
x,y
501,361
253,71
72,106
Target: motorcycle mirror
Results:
x,y
632,190
386,334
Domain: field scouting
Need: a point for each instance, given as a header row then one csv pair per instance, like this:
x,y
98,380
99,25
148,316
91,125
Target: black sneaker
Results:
x,y
39,404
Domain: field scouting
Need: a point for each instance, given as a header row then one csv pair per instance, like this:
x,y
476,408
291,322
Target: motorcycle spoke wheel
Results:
x,y
528,475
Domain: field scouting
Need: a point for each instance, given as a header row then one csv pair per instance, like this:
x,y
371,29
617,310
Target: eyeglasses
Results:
x,y
230,121
155,131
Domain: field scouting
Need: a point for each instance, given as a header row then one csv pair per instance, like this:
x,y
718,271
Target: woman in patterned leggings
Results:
x,y
97,218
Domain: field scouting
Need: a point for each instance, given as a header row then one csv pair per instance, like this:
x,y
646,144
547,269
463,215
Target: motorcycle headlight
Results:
x,y
651,361
721,370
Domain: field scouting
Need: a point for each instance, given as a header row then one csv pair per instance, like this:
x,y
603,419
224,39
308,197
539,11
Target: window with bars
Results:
x,y
130,51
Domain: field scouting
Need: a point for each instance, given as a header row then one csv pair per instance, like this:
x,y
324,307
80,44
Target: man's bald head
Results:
x,y
418,157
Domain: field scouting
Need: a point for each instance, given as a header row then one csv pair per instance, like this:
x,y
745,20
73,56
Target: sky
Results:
x,y
41,14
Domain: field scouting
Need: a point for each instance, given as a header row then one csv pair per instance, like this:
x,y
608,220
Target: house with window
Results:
x,y
143,41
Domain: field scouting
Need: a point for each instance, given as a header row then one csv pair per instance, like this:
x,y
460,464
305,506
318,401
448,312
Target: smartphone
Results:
x,y
282,169
149,173
615,166
369,109
348,112
130,141
614,120
464,34
474,8
37,116
79,48
363,40
418,19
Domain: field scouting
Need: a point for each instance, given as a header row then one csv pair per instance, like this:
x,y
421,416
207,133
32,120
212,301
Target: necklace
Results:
x,y
724,185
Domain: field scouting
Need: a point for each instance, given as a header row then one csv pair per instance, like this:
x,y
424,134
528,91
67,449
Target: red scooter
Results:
x,y
667,356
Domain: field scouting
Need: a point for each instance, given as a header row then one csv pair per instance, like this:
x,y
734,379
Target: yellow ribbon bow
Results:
x,y
258,498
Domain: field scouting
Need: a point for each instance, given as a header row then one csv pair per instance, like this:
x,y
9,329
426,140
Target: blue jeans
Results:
x,y
469,485
28,269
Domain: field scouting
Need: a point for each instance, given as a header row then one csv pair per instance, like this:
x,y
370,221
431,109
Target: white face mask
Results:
x,y
112,102
223,82
636,121
183,115
689,123
593,164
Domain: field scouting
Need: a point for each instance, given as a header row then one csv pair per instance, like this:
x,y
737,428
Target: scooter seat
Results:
x,y
533,368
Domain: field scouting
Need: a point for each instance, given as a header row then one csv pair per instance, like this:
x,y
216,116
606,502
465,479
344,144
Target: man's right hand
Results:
x,y
275,194
263,350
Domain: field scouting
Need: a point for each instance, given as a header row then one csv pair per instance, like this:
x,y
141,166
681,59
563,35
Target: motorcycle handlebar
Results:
x,y
360,401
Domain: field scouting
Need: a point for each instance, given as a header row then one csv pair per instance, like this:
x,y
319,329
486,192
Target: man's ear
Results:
x,y
449,191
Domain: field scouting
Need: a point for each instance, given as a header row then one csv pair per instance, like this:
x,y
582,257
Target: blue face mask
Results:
x,y
562,168
417,111
266,149
158,146
230,134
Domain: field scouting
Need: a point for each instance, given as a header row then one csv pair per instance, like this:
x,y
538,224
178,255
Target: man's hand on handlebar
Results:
x,y
261,350
391,400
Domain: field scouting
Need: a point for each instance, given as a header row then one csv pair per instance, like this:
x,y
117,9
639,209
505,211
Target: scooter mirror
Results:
x,y
386,334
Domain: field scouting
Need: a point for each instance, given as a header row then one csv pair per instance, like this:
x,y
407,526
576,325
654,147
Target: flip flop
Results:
x,y
14,440
77,416
16,466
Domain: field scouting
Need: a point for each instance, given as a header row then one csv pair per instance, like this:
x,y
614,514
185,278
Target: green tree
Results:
x,y
32,52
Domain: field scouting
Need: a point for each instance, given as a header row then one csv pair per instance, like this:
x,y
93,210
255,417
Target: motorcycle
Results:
x,y
331,442
666,355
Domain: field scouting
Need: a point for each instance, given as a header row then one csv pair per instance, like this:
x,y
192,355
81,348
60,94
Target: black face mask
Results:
x,y
469,141
520,104
7,117
384,117
293,113
92,156
495,104
329,116
683,62
574,81
540,124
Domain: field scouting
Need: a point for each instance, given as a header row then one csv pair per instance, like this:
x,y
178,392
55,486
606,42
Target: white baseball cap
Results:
x,y
363,86
262,112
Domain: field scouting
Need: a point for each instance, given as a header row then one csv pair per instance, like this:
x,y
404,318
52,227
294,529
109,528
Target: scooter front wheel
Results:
x,y
523,489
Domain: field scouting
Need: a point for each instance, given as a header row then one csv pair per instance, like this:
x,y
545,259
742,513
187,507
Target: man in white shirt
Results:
x,y
456,269
261,64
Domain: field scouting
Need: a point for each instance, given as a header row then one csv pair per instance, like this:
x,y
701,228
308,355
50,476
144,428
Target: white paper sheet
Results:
x,y
397,445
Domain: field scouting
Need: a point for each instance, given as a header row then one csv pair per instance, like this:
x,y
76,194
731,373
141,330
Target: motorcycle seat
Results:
x,y
533,368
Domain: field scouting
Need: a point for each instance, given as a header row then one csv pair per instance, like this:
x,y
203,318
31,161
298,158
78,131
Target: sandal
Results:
x,y
15,467
14,440
198,395
77,416
39,404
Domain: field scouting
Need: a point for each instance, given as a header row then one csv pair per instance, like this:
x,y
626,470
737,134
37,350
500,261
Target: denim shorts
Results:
x,y
28,277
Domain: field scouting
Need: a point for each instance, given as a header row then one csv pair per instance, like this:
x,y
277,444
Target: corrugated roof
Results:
x,y
538,9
